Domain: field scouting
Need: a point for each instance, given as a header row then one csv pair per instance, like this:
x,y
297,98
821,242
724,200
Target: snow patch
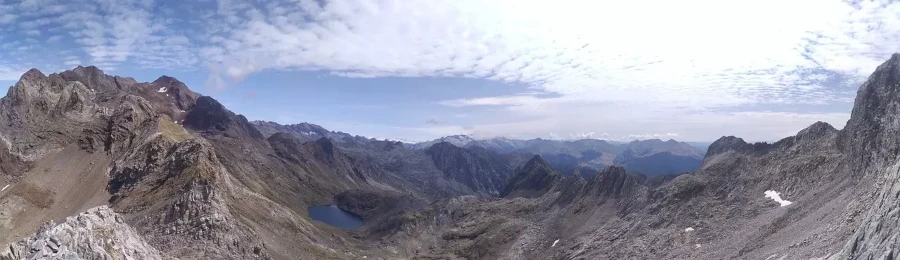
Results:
x,y
161,90
4,187
554,243
776,197
689,229
696,245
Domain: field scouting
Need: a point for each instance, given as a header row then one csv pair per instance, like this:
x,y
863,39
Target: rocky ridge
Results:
x,y
98,233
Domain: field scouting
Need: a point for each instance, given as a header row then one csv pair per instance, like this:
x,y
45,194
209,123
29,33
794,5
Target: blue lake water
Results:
x,y
334,216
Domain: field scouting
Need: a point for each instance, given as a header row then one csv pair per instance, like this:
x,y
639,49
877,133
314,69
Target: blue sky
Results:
x,y
417,70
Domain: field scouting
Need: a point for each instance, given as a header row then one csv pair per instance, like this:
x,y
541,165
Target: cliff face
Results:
x,y
871,142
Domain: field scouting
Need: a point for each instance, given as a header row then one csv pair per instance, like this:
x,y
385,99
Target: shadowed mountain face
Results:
x,y
535,179
481,170
156,171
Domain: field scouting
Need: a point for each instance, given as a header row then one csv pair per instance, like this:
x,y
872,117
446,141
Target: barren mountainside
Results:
x,y
96,166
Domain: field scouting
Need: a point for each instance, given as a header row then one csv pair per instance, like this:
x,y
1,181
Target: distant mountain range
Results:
x,y
650,157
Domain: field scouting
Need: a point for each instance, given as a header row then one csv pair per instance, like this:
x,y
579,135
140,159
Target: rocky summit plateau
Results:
x,y
96,166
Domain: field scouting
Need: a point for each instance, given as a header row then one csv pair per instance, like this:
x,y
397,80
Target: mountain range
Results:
x,y
97,166
650,157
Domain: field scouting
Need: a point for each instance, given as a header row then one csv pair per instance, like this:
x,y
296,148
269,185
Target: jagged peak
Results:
x,y
610,171
170,82
533,180
535,162
732,143
282,137
166,78
88,71
873,125
208,114
31,74
816,129
441,145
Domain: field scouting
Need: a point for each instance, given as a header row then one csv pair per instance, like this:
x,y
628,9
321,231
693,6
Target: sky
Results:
x,y
418,70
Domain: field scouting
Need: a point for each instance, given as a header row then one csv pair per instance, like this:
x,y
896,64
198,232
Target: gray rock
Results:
x,y
98,233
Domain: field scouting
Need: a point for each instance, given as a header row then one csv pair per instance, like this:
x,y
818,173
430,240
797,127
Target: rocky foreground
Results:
x,y
98,233
154,170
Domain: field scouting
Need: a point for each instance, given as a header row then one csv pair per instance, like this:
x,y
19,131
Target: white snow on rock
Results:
x,y
776,197
162,90
696,245
4,187
689,229
554,243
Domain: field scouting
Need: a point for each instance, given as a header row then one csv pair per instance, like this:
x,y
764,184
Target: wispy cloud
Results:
x,y
604,62
434,121
7,18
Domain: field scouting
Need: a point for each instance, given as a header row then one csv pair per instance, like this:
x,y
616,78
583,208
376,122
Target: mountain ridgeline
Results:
x,y
104,167
649,157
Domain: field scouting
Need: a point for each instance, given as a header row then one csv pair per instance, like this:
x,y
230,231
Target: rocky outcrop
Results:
x,y
98,233
175,192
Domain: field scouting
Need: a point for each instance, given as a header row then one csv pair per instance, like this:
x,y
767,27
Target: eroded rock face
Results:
x,y
176,193
98,233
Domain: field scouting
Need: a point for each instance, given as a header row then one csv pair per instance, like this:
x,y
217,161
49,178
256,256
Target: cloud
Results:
x,y
652,65
611,67
7,18
563,48
623,125
111,33
493,101
54,38
434,121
